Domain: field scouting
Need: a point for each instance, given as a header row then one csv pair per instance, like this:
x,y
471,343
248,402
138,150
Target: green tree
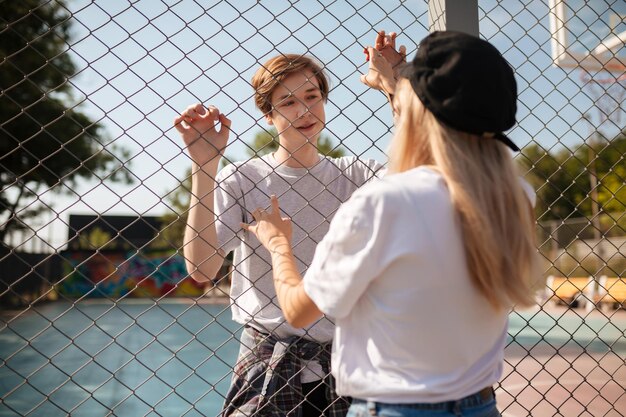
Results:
x,y
557,179
45,141
175,221
611,170
266,141
94,239
563,180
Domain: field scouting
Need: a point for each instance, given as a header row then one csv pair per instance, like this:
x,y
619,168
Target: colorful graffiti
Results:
x,y
116,274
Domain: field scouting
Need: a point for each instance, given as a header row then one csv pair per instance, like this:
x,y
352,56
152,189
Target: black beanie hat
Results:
x,y
466,83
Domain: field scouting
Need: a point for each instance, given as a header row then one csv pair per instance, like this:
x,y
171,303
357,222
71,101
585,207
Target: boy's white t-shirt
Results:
x,y
411,327
310,197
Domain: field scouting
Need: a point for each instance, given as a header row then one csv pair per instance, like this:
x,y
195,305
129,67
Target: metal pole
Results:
x,y
593,181
458,15
595,206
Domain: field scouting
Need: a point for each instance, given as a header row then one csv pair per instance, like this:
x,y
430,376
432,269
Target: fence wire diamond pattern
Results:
x,y
99,314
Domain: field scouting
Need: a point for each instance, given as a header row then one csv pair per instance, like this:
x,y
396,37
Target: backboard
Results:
x,y
589,34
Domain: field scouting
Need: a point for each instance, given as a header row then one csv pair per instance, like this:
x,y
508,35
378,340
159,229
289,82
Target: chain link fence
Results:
x,y
99,315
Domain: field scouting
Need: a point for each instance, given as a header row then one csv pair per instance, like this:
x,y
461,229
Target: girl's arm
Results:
x,y
274,233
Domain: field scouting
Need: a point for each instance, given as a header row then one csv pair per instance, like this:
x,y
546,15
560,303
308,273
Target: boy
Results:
x,y
281,370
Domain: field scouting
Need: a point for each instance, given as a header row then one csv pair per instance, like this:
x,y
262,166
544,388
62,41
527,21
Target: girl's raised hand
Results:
x,y
380,74
271,229
386,45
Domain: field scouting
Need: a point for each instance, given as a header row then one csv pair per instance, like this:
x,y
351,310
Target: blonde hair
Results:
x,y
495,216
271,74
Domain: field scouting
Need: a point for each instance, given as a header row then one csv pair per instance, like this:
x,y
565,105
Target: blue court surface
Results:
x,y
134,358
138,358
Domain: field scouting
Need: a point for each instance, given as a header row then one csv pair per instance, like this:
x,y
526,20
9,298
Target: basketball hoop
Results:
x,y
593,39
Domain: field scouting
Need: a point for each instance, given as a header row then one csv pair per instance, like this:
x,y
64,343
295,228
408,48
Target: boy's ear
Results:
x,y
268,118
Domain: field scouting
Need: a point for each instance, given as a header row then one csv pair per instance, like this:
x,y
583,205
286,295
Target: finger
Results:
x,y
212,113
178,124
225,121
191,112
380,40
199,109
190,115
275,205
191,108
212,109
403,51
365,80
256,214
392,39
249,227
372,52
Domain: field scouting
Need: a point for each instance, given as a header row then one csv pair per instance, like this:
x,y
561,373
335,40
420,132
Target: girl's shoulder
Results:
x,y
398,189
417,180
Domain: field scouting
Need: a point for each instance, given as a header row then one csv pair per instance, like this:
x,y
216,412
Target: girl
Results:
x,y
419,269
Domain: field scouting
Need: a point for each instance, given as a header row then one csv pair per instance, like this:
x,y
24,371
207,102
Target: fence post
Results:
x,y
459,15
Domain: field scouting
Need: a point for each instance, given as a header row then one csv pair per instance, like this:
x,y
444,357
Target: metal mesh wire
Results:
x,y
99,315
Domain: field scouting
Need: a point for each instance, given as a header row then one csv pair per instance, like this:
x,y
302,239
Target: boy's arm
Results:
x,y
202,256
205,145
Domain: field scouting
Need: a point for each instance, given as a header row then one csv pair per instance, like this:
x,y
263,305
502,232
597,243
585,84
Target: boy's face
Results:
x,y
297,109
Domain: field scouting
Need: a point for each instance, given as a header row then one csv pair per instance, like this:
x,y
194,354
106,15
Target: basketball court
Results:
x,y
138,358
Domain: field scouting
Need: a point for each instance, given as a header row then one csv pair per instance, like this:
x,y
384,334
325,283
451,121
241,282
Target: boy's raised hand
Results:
x,y
197,127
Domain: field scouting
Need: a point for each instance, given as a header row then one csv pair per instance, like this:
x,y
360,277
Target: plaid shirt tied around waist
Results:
x,y
266,381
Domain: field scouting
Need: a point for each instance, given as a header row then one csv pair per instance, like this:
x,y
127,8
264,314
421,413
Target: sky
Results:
x,y
142,62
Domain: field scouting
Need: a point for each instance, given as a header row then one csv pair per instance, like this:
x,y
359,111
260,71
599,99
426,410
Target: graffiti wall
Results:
x,y
116,274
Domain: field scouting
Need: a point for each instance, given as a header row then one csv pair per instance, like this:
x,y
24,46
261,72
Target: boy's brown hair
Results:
x,y
274,71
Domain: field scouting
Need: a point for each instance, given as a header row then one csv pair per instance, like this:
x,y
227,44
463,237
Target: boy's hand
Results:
x,y
196,126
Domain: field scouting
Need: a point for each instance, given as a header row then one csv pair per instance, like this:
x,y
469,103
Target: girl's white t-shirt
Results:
x,y
411,327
